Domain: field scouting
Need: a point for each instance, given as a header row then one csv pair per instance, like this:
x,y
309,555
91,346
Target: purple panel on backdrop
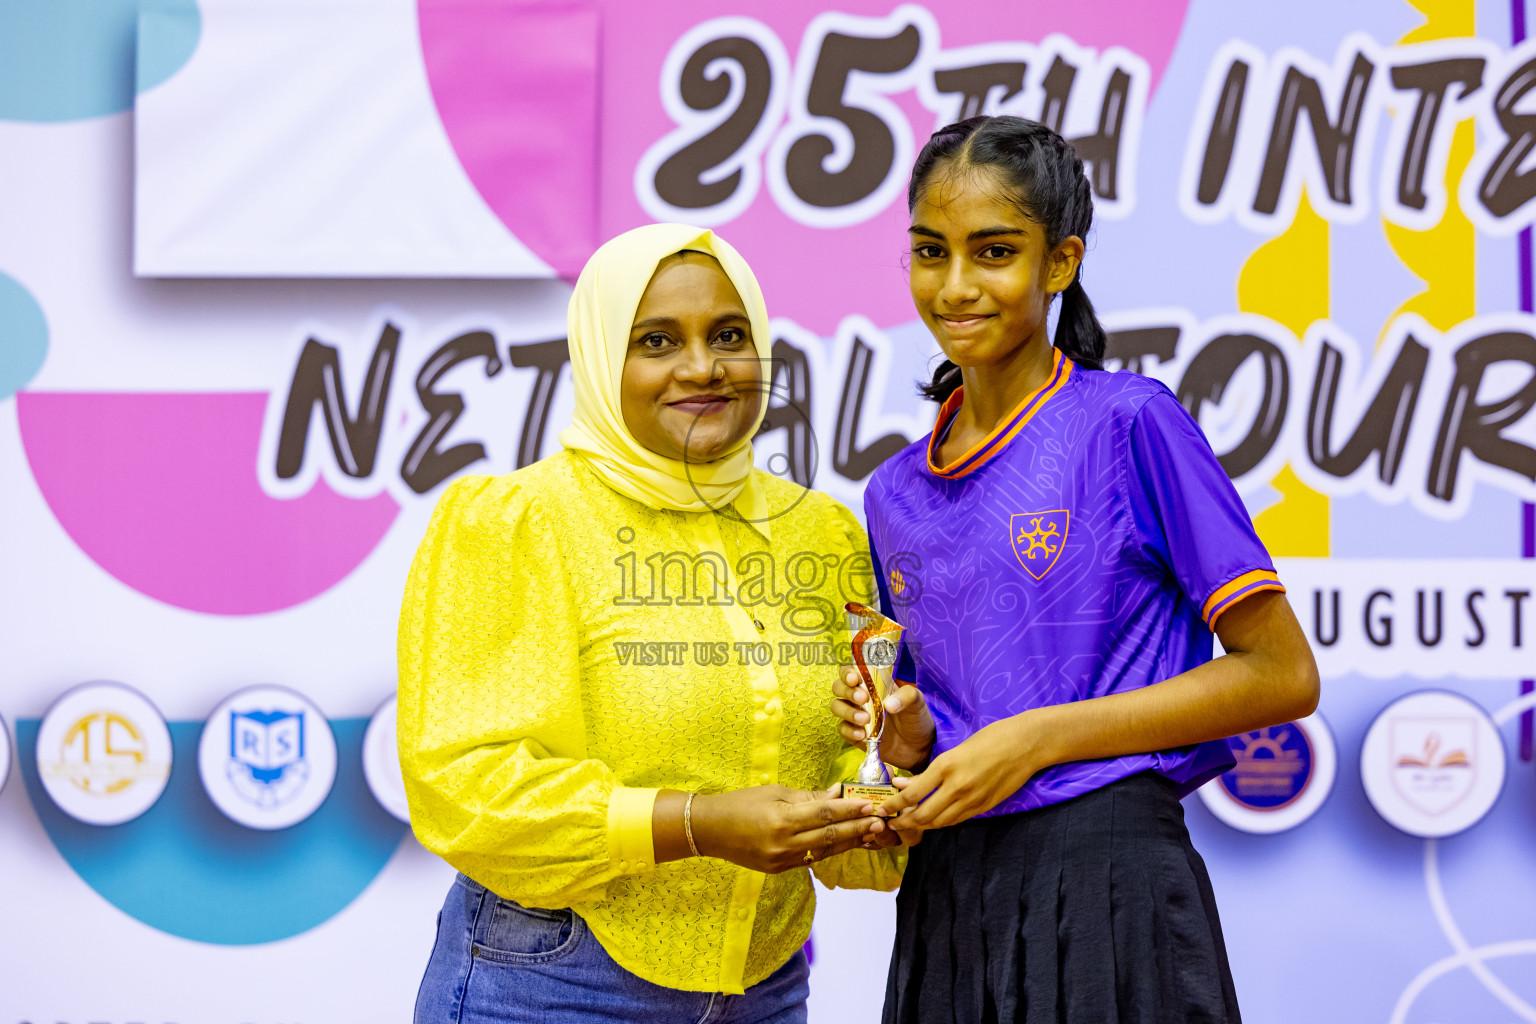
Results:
x,y
160,490
1528,305
1527,733
1525,270
1528,549
516,88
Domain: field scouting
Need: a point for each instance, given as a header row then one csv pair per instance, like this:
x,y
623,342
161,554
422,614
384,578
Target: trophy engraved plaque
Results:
x,y
876,642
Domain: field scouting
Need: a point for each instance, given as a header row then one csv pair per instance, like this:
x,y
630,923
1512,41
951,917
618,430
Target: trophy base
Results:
x,y
876,795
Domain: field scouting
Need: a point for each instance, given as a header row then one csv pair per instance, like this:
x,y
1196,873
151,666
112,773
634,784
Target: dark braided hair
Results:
x,y
1047,184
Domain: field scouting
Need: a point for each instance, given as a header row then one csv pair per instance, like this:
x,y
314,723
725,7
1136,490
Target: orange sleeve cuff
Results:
x,y
1246,585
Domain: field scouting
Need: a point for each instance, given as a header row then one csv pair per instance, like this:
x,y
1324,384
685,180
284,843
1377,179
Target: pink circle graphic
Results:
x,y
516,94
526,129
160,490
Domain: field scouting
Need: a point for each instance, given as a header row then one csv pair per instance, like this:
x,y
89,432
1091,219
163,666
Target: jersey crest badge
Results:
x,y
1037,539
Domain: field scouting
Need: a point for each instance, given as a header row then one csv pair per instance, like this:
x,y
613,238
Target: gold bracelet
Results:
x,y
688,823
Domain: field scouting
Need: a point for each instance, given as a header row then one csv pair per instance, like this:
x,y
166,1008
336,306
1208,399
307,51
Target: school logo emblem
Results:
x,y
898,583
103,753
1283,775
5,753
1273,767
1433,760
1433,764
1037,539
267,757
381,762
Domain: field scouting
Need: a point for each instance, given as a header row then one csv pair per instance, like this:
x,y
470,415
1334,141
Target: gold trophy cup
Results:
x,y
876,641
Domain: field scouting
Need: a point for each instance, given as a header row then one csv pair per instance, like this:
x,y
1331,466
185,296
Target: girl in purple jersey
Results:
x,y
1060,549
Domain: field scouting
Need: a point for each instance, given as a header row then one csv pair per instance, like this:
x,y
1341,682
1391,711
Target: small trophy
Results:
x,y
875,640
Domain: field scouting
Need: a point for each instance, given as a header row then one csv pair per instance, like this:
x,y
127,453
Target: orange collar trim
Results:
x,y
987,447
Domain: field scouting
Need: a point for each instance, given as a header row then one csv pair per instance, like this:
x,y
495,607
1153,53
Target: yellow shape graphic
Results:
x,y
1444,19
1286,279
1296,526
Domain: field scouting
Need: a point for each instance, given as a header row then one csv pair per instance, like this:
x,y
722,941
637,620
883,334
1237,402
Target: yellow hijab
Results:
x,y
601,313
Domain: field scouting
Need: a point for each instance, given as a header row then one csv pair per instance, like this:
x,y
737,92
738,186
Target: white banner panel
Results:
x,y
365,138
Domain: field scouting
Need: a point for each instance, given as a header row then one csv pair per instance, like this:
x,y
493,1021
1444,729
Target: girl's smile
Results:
x,y
955,324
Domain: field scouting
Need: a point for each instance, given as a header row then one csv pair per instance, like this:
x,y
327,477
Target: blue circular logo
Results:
x,y
1282,777
1274,767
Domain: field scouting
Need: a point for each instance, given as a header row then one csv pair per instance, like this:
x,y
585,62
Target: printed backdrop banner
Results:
x,y
272,274
368,138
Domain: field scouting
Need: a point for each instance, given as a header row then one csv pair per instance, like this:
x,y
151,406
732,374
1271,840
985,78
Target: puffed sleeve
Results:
x,y
491,735
856,869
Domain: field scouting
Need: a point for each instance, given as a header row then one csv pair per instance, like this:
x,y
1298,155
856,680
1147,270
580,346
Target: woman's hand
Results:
x,y
970,779
770,828
909,728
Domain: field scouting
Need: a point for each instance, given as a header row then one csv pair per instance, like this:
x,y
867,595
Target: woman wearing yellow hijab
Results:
x,y
612,712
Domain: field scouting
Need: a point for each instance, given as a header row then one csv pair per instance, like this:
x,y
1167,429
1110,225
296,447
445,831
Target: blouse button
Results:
x,y
772,707
623,865
743,913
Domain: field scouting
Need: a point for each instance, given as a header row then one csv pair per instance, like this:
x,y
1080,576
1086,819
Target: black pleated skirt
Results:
x,y
1089,911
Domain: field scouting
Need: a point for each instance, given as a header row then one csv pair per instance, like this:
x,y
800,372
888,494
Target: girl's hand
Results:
x,y
904,833
909,730
771,828
971,779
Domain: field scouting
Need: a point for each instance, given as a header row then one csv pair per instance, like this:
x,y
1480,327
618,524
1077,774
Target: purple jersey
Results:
x,y
1084,548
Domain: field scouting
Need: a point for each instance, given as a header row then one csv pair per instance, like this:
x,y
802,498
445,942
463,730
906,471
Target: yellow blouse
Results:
x,y
565,652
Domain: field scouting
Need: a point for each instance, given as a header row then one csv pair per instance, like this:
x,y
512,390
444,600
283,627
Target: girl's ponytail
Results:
x,y
1079,334
946,379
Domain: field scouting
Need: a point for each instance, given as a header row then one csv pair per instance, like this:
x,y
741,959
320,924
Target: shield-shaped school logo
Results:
x,y
1037,539
266,755
1434,761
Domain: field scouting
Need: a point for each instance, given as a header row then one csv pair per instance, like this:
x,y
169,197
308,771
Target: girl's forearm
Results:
x,y
1267,677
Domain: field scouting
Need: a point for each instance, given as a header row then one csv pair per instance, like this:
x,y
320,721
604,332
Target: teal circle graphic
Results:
x,y
64,60
23,337
168,35
186,869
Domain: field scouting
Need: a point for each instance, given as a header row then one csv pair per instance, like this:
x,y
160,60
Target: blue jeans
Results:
x,y
497,962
